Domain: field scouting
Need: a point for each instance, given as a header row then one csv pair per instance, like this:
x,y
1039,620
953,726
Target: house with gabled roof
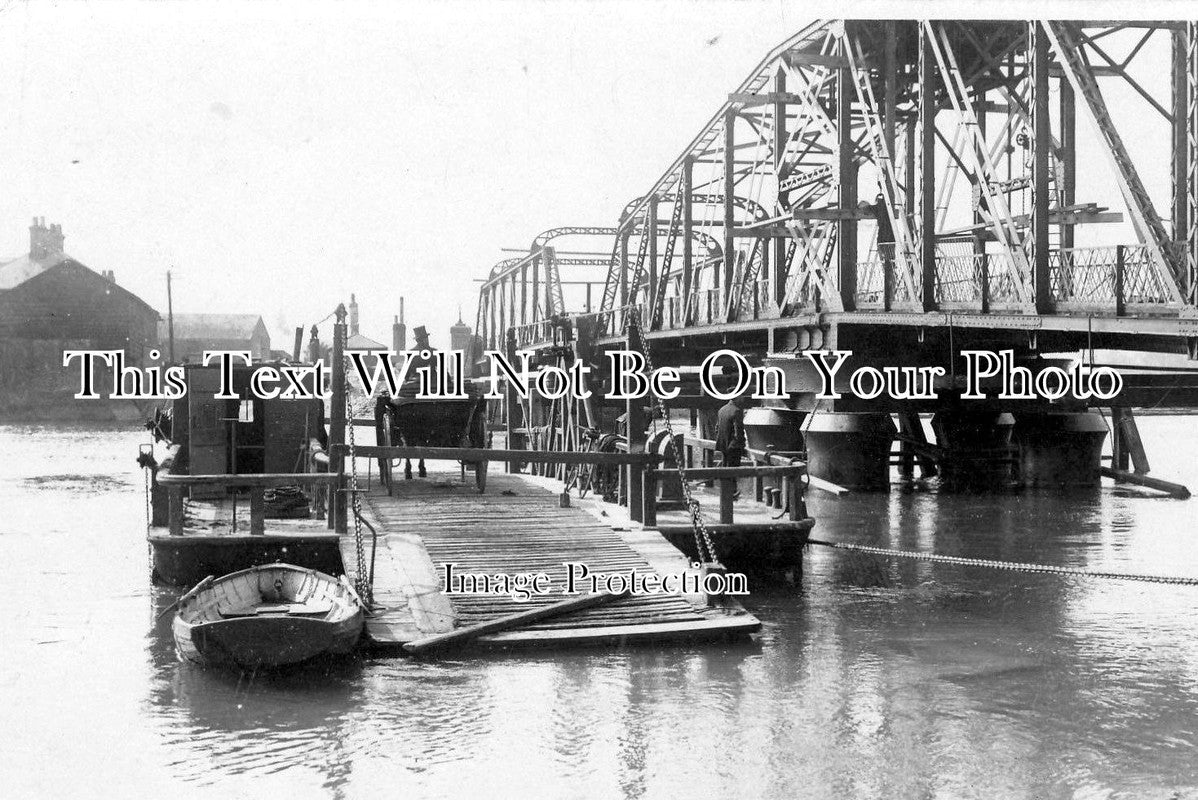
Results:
x,y
196,333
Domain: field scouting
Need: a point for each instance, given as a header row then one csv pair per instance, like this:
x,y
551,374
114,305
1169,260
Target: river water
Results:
x,y
876,679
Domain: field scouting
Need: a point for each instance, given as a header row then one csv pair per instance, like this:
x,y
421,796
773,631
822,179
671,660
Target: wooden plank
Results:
x,y
509,621
706,473
1121,476
799,527
263,479
517,528
690,629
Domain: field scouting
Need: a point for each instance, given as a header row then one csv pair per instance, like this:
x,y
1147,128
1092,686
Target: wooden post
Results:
x,y
727,490
634,420
510,404
794,498
649,498
257,511
338,519
906,460
1119,459
175,494
1135,446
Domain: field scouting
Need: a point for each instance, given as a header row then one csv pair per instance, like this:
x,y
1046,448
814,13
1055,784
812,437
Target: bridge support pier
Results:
x,y
851,449
1060,449
977,452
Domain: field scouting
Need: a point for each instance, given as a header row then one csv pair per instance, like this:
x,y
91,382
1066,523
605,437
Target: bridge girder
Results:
x,y
911,110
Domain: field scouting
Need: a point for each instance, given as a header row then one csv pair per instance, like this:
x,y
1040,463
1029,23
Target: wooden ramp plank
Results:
x,y
517,527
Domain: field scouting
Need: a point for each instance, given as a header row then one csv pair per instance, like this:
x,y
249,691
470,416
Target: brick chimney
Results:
x,y
45,242
353,315
399,332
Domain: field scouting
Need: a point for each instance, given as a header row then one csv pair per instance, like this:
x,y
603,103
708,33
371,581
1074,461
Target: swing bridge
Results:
x,y
905,189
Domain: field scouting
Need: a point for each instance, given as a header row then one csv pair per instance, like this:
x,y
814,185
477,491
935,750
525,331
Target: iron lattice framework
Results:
x,y
905,166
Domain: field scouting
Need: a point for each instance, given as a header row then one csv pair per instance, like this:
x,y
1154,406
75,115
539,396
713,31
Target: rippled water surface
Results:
x,y
876,679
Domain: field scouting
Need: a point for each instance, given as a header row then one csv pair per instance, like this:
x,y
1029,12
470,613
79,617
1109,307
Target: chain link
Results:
x,y
1013,566
703,542
362,581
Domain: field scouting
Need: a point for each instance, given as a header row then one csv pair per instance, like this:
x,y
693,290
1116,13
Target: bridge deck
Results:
x,y
515,527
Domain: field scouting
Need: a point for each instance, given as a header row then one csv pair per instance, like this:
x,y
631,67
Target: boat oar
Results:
x,y
509,621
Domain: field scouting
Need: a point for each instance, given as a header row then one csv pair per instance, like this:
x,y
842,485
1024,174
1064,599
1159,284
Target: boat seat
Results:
x,y
299,609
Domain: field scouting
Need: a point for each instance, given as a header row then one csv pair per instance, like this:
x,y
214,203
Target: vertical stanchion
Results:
x,y
727,490
338,520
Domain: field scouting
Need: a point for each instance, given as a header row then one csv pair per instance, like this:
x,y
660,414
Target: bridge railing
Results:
x,y
974,281
533,332
1114,279
1110,279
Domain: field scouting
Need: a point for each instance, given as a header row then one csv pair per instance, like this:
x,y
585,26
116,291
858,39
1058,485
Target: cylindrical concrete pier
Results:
x,y
1060,449
850,449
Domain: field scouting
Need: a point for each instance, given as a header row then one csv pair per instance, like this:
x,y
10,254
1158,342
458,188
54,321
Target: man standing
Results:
x,y
730,432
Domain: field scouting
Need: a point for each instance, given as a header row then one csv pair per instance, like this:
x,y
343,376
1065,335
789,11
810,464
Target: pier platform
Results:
x,y
517,526
216,541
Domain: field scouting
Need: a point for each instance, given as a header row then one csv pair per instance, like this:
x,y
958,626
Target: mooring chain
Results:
x,y
698,524
362,581
1013,566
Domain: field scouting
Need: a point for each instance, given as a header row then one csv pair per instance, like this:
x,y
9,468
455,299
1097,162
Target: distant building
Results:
x,y
359,342
50,302
197,333
47,295
399,331
460,334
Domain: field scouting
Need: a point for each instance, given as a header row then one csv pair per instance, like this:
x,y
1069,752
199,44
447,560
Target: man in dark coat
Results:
x,y
730,432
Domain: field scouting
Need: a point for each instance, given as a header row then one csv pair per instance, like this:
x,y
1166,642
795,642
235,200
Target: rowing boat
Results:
x,y
267,616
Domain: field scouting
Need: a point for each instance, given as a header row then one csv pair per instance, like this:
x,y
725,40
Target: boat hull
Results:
x,y
265,642
275,615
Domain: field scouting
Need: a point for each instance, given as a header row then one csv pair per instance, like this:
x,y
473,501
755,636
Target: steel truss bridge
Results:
x,y
900,183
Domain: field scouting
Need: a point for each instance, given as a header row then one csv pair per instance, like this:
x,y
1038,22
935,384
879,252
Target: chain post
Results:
x,y
703,542
362,583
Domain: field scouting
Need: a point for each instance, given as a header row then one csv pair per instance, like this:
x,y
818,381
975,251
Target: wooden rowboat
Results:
x,y
268,616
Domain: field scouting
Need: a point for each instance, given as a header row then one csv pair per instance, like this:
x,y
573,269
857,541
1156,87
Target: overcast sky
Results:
x,y
280,156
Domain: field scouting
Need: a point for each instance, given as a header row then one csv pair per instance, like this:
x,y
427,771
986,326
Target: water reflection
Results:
x,y
875,678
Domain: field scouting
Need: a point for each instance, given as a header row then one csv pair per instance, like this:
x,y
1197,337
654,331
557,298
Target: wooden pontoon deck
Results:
x,y
516,527
216,540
